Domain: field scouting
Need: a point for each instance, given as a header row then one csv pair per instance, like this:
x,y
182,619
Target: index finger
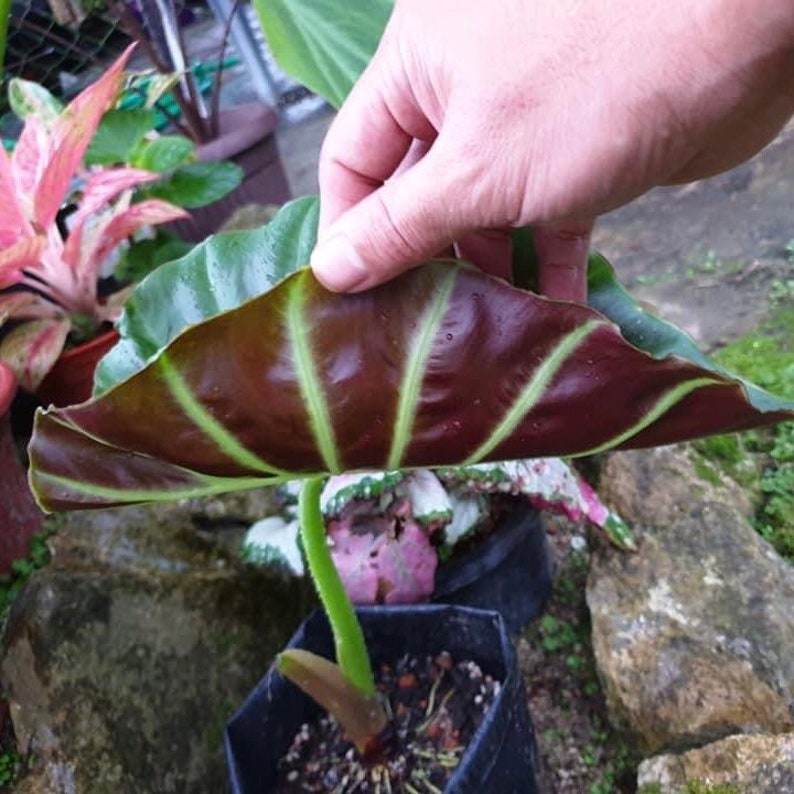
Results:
x,y
368,139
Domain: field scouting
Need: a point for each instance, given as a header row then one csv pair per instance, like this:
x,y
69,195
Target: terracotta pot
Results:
x,y
71,380
246,138
19,516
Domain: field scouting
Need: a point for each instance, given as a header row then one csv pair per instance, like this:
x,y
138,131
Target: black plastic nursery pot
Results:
x,y
511,571
501,755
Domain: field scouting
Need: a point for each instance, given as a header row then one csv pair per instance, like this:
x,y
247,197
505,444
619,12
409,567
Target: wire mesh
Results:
x,y
53,42
64,44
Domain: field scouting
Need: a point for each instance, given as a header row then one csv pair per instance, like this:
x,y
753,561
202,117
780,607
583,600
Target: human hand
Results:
x,y
470,121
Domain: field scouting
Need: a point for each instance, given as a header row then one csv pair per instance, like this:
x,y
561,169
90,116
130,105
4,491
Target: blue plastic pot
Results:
x,y
501,755
511,571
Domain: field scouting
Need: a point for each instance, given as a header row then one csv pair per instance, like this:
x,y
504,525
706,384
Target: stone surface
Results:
x,y
751,764
128,653
693,634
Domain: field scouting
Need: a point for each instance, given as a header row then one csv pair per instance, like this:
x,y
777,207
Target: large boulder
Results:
x,y
693,634
748,764
128,653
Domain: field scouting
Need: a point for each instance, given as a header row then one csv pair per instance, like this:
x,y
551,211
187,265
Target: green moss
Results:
x,y
706,470
761,461
699,787
691,787
21,569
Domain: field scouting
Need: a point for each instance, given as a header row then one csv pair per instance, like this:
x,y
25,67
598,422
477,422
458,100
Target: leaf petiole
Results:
x,y
351,651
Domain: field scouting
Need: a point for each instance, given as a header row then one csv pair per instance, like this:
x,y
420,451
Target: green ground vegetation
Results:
x,y
762,460
578,713
692,787
21,569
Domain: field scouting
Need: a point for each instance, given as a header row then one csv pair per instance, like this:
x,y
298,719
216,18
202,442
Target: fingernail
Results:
x,y
337,264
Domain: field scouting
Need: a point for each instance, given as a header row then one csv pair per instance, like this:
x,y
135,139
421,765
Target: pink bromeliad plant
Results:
x,y
48,282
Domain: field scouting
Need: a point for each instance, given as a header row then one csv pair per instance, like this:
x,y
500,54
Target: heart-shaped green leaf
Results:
x,y
323,43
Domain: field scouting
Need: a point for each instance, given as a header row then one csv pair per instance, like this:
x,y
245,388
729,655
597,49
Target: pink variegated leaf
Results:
x,y
24,305
71,135
32,348
105,185
18,256
126,223
13,222
395,567
29,161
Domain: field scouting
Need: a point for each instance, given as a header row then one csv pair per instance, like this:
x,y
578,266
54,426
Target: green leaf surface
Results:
x,y
144,256
165,153
219,274
198,184
649,332
324,44
29,99
118,135
441,366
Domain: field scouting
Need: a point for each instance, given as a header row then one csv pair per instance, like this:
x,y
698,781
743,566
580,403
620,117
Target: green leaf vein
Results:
x,y
226,442
206,486
309,381
410,390
533,390
662,406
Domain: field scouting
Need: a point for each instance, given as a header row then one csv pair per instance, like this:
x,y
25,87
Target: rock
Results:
x,y
692,635
128,653
751,764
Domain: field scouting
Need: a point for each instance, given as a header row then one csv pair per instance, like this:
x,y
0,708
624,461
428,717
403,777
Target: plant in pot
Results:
x,y
468,535
242,134
262,376
50,267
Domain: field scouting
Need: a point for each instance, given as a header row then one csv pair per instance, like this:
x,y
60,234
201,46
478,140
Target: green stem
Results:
x,y
351,651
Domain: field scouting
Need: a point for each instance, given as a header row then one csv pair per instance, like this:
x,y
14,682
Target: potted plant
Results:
x,y
50,267
463,535
267,377
242,134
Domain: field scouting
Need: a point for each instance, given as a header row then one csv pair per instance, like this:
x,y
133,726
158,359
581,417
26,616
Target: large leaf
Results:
x,y
323,43
217,275
444,365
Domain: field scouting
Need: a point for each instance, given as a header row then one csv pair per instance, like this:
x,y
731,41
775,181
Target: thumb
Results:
x,y
406,221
